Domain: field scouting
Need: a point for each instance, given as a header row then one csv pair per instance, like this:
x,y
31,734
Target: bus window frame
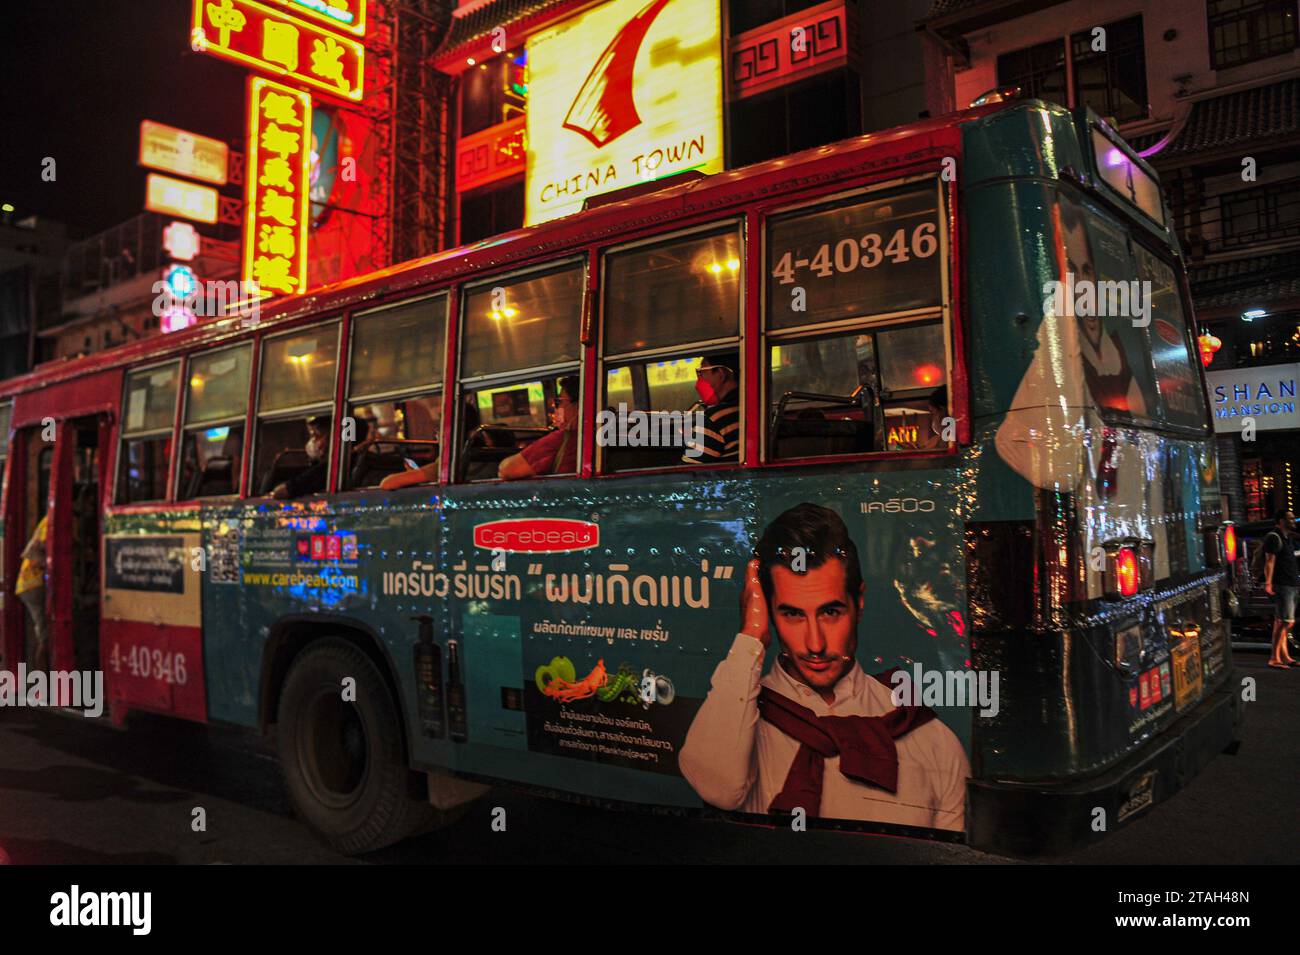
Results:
x,y
257,416
740,222
347,399
578,366
946,312
184,428
123,435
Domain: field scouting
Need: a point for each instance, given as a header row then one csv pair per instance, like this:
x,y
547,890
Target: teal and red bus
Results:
x,y
1008,492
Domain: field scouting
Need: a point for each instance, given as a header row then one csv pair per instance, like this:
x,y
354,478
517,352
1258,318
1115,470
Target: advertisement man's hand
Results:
x,y
753,607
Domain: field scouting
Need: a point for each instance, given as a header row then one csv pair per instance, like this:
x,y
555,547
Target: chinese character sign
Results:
x,y
273,42
279,161
349,15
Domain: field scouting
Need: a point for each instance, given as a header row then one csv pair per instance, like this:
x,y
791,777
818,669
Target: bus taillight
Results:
x,y
1230,542
1126,571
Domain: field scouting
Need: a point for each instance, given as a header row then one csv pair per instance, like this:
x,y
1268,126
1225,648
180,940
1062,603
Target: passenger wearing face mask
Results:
x,y
311,479
719,391
554,453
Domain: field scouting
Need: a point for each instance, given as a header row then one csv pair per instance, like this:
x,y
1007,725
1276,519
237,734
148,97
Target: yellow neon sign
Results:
x,y
276,211
628,92
175,197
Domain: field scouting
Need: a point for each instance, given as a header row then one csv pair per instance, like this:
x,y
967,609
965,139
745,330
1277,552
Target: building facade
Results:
x,y
1209,93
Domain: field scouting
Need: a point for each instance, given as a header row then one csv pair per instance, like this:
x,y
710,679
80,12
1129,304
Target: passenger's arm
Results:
x,y
425,474
515,468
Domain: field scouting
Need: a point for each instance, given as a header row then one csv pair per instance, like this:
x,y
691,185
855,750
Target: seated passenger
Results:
x,y
931,438
311,479
718,386
553,453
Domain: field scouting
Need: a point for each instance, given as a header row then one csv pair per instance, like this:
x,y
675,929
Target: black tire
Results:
x,y
343,762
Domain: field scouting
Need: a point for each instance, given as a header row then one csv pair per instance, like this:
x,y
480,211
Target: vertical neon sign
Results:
x,y
279,164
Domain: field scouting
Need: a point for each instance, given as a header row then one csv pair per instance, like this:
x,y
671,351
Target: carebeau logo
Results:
x,y
605,108
541,535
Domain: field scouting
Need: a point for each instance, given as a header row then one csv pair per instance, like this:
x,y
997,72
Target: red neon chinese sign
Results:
x,y
273,42
279,163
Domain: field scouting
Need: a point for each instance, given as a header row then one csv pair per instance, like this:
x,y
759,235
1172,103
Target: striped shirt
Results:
x,y
721,431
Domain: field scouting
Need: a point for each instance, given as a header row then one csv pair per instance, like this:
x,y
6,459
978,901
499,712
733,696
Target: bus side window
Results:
x,y
295,412
395,395
212,444
670,347
150,408
856,353
520,343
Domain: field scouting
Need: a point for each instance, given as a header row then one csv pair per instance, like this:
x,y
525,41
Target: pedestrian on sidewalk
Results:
x,y
1282,583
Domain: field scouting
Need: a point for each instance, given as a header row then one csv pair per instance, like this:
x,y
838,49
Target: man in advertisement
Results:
x,y
1282,583
817,733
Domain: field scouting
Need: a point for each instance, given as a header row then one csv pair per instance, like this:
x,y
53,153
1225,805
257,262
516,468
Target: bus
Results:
x,y
945,557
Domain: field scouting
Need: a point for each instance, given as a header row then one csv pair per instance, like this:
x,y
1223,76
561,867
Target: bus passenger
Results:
x,y
932,437
718,386
817,732
30,589
311,479
554,453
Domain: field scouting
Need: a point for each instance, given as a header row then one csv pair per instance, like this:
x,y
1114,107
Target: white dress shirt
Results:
x,y
737,760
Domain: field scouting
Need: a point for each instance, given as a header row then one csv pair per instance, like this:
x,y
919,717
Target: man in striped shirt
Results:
x,y
717,384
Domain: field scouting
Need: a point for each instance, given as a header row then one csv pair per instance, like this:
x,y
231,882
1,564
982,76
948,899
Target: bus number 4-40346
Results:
x,y
867,253
150,664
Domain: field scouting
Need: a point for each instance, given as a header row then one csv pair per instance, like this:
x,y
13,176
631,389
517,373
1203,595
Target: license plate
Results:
x,y
1187,674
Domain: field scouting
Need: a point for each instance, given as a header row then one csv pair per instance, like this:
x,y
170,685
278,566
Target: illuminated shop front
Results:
x,y
559,103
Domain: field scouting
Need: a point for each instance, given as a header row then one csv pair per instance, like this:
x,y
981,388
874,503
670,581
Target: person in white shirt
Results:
x,y
817,733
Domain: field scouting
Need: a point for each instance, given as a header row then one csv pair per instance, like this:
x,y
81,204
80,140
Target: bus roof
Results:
x,y
557,237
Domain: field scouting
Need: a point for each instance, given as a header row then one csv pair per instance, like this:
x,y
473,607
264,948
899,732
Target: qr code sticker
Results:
x,y
223,565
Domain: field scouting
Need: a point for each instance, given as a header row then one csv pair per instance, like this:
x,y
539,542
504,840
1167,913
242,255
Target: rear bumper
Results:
x,y
1050,818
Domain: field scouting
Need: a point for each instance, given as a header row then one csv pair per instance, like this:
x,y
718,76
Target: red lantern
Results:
x,y
1208,345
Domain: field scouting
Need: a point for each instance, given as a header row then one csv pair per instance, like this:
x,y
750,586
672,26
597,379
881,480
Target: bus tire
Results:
x,y
343,761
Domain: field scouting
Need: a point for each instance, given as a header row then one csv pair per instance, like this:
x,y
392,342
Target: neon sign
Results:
x,y
175,197
279,164
349,15
606,111
272,42
186,154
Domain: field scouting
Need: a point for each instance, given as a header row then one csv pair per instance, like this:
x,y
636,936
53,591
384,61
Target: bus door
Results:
x,y
26,502
72,543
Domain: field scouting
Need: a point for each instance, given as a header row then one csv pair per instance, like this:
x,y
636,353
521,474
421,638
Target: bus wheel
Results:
x,y
342,760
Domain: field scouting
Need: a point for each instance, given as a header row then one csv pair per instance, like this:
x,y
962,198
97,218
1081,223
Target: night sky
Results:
x,y
78,77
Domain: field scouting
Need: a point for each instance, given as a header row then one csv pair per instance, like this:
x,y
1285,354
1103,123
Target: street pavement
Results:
x,y
75,790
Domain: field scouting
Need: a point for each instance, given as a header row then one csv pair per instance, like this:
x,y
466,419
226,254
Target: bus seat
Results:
x,y
288,463
217,478
801,437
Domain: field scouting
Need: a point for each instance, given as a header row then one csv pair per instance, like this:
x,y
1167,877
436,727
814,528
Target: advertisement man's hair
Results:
x,y
821,533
